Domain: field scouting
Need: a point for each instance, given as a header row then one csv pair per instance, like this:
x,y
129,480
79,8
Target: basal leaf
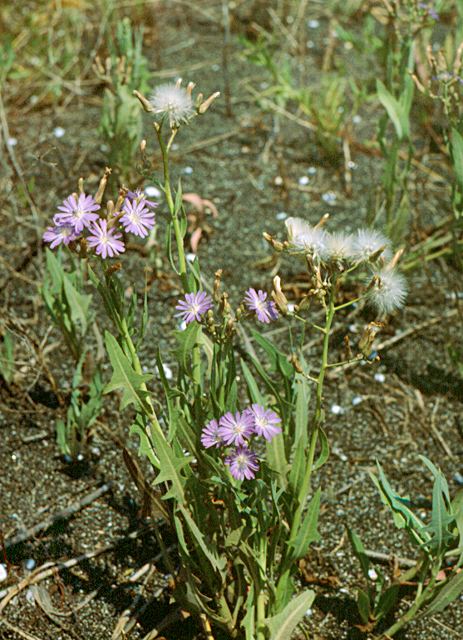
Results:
x,y
308,532
283,624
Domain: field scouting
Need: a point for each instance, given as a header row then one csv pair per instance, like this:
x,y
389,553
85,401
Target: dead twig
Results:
x,y
60,515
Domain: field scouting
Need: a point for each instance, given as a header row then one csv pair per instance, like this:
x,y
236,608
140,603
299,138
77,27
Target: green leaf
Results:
x,y
387,601
324,450
78,304
359,551
298,466
308,530
302,409
283,624
218,563
449,592
278,360
186,340
456,152
395,111
124,377
363,605
251,383
249,620
276,458
457,507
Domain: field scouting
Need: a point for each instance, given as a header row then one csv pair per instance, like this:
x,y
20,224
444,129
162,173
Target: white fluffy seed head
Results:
x,y
174,101
389,290
338,246
368,242
303,237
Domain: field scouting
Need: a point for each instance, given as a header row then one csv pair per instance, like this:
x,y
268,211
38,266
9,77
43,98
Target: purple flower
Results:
x,y
194,306
235,429
61,234
137,219
210,435
106,241
266,310
78,212
265,421
243,463
140,196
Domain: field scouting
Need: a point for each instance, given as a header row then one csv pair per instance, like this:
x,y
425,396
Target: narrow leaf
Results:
x,y
283,624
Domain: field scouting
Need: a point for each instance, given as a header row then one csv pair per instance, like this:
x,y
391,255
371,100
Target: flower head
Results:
x,y
243,463
265,421
194,306
139,195
78,212
266,310
338,246
60,234
137,219
105,241
367,242
303,237
174,101
210,435
236,429
389,290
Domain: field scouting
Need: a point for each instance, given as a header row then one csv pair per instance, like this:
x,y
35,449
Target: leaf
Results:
x,y
308,529
298,467
78,304
324,450
363,605
218,563
395,111
276,458
124,377
278,359
186,340
387,601
449,592
302,409
251,383
283,624
456,151
359,551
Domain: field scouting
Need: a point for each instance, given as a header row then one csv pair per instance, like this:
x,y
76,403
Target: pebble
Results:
x,y
3,572
313,24
30,564
357,119
152,191
310,44
380,377
278,181
12,142
312,171
59,132
352,165
215,67
291,307
329,197
30,596
337,409
357,400
372,574
308,613
458,477
188,171
303,180
281,215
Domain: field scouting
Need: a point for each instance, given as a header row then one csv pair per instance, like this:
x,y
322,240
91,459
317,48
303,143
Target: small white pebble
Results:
x,y
152,191
329,197
344,590
59,132
188,171
3,572
30,564
357,119
281,215
96,451
372,574
190,257
303,180
310,44
215,67
174,146
80,457
352,165
12,142
312,171
30,596
337,409
357,400
380,377
308,613
458,477
291,307
313,24
34,99
278,181
353,328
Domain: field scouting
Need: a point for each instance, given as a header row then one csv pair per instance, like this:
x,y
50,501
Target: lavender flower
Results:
x,y
194,306
60,234
265,421
266,310
137,219
105,241
174,101
140,196
243,463
210,435
389,290
78,212
235,429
